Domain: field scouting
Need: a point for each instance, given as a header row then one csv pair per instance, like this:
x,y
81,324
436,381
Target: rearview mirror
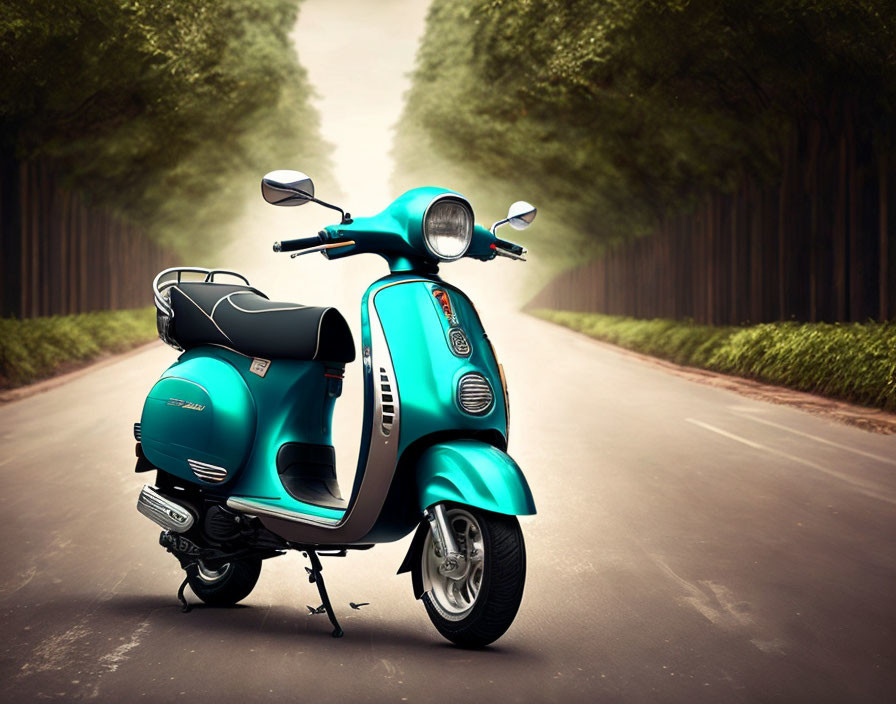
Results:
x,y
521,214
287,188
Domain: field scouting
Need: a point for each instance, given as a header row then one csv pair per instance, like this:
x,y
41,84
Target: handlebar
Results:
x,y
300,243
511,247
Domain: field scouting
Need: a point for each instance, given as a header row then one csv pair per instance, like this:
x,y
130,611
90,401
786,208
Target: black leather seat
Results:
x,y
242,318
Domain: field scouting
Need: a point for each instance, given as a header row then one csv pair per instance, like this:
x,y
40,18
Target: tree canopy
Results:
x,y
635,109
164,110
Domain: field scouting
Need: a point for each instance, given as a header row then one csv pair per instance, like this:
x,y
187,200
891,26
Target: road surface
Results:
x,y
691,545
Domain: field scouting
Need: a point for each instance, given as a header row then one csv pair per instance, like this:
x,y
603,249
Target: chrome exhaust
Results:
x,y
163,511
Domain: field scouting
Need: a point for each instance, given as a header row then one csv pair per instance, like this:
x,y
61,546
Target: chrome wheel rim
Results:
x,y
455,597
210,576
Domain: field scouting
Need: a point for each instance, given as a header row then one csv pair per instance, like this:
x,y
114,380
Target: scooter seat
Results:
x,y
243,319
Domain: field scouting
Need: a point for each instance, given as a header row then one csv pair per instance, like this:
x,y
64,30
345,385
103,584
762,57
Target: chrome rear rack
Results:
x,y
159,287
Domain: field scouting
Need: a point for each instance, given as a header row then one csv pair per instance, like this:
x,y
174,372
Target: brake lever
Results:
x,y
321,248
510,255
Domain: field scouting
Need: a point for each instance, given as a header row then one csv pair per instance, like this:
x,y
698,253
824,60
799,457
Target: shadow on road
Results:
x,y
285,626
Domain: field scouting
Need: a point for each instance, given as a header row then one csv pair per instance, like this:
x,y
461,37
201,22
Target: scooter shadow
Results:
x,y
289,627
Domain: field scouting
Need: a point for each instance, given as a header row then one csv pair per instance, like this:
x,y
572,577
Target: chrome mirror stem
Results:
x,y
498,224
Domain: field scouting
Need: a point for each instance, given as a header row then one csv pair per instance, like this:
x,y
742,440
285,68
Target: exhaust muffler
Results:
x,y
163,511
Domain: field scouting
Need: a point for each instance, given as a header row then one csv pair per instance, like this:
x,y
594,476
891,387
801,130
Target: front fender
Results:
x,y
473,473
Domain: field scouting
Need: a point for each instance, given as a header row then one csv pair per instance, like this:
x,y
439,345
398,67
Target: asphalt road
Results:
x,y
691,545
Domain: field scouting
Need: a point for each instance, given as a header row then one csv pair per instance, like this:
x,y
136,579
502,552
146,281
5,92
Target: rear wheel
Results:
x,y
226,584
474,607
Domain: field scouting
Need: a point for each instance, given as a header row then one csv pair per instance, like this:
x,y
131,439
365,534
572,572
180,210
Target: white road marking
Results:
x,y
816,438
868,488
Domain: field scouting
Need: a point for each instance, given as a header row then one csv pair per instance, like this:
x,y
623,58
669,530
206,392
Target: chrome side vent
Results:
x,y
208,472
163,511
387,402
474,394
137,432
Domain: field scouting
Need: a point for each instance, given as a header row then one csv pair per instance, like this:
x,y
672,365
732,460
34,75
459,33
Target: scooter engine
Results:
x,y
221,525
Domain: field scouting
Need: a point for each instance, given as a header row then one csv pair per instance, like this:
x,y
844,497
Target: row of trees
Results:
x,y
625,114
163,113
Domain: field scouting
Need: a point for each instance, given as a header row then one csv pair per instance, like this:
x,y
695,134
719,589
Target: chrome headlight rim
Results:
x,y
464,202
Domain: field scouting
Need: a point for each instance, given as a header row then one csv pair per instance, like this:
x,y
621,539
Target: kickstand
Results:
x,y
191,571
315,577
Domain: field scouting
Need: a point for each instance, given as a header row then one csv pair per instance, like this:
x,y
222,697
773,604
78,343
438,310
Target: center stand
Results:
x,y
315,577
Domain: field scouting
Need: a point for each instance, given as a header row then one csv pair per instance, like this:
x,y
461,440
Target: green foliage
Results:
x,y
35,348
167,111
855,362
621,111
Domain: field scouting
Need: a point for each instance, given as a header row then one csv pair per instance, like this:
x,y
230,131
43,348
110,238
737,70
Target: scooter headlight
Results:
x,y
448,228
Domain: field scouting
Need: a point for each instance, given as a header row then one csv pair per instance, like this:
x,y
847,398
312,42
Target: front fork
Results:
x,y
454,564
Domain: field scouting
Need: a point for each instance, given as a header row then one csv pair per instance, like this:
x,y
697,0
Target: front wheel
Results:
x,y
476,607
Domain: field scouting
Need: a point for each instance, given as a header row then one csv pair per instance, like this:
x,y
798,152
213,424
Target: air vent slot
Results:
x,y
474,394
208,472
387,403
137,432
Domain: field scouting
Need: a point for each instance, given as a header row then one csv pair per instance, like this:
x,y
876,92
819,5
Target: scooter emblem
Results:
x,y
190,406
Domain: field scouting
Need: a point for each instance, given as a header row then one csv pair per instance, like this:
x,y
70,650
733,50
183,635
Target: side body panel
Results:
x,y
246,419
201,411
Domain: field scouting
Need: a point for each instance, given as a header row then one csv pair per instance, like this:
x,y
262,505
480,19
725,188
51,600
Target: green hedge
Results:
x,y
36,348
852,361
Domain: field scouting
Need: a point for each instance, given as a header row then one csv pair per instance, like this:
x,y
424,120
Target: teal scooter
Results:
x,y
238,429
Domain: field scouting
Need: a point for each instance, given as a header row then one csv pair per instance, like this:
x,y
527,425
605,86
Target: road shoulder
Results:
x,y
53,382
869,419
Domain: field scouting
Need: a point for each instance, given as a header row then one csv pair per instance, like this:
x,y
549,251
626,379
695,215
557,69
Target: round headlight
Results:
x,y
448,228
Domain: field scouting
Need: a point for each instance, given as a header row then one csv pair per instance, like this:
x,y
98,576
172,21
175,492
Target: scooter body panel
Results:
x,y
247,418
200,411
473,473
427,373
427,369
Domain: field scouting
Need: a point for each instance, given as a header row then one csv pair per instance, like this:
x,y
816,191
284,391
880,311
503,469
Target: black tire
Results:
x,y
234,583
501,591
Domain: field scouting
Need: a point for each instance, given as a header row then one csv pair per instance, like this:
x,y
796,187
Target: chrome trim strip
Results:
x,y
208,472
245,505
162,511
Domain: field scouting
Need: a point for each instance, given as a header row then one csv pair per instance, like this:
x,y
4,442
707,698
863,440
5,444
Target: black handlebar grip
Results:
x,y
293,245
509,246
